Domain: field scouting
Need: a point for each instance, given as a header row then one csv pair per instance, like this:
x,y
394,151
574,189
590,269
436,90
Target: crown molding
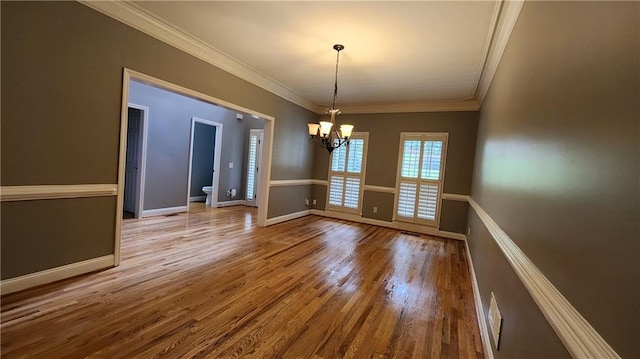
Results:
x,y
400,107
134,16
506,21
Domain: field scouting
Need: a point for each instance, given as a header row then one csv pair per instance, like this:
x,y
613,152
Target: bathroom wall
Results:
x,y
202,162
169,132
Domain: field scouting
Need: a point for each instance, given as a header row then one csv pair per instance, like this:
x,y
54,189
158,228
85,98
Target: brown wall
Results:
x,y
557,167
382,157
62,66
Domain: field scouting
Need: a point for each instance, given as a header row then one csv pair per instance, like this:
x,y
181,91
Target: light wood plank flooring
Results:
x,y
212,284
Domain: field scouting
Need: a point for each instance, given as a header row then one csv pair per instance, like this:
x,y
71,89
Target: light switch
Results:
x,y
230,164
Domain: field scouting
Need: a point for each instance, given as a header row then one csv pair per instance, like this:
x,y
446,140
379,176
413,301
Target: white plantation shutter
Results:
x,y
336,186
338,159
251,167
346,175
352,192
356,153
431,157
407,199
420,177
427,202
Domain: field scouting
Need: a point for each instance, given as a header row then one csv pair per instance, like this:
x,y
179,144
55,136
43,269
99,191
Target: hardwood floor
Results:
x,y
211,284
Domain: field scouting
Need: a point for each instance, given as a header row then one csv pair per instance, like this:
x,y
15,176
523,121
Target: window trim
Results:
x,y
329,207
425,136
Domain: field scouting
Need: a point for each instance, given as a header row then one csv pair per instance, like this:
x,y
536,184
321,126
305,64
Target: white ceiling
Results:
x,y
395,52
419,52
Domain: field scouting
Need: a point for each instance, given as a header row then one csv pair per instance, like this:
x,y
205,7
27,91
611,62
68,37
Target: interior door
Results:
x,y
132,162
253,166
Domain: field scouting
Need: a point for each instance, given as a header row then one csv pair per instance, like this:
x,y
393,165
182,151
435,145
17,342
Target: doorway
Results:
x,y
204,161
135,165
265,174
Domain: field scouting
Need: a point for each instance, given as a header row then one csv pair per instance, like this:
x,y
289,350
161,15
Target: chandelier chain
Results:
x,y
335,84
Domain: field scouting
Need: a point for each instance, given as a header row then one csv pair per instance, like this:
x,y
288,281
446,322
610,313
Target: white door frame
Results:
x,y
216,159
269,125
142,166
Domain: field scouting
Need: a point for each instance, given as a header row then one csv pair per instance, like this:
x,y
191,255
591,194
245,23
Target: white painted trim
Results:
x,y
507,19
239,202
55,274
197,198
30,193
269,126
482,321
404,107
138,18
287,217
368,187
402,226
143,157
217,155
455,197
163,211
578,336
452,235
321,182
294,182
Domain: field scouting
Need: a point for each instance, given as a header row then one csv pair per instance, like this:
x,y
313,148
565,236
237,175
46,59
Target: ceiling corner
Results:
x,y
509,12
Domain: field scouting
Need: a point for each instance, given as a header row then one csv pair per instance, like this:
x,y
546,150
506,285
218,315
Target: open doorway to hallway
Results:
x,y
173,114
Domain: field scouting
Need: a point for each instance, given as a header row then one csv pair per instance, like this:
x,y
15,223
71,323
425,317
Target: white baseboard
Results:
x,y
198,199
55,274
402,226
287,217
482,321
163,211
231,203
452,235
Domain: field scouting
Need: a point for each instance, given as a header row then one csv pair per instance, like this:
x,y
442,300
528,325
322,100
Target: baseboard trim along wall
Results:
x,y
482,320
39,192
395,224
578,336
55,274
287,217
198,199
231,203
163,211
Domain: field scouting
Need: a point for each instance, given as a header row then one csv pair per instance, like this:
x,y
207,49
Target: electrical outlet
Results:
x,y
314,202
495,320
230,164
375,209
468,231
306,201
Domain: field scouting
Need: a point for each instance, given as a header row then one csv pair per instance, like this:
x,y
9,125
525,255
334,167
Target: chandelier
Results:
x,y
321,132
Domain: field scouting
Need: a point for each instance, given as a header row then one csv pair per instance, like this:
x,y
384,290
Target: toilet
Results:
x,y
208,190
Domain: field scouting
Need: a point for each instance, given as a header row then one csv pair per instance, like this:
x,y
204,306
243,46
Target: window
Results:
x,y
420,175
346,175
253,166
